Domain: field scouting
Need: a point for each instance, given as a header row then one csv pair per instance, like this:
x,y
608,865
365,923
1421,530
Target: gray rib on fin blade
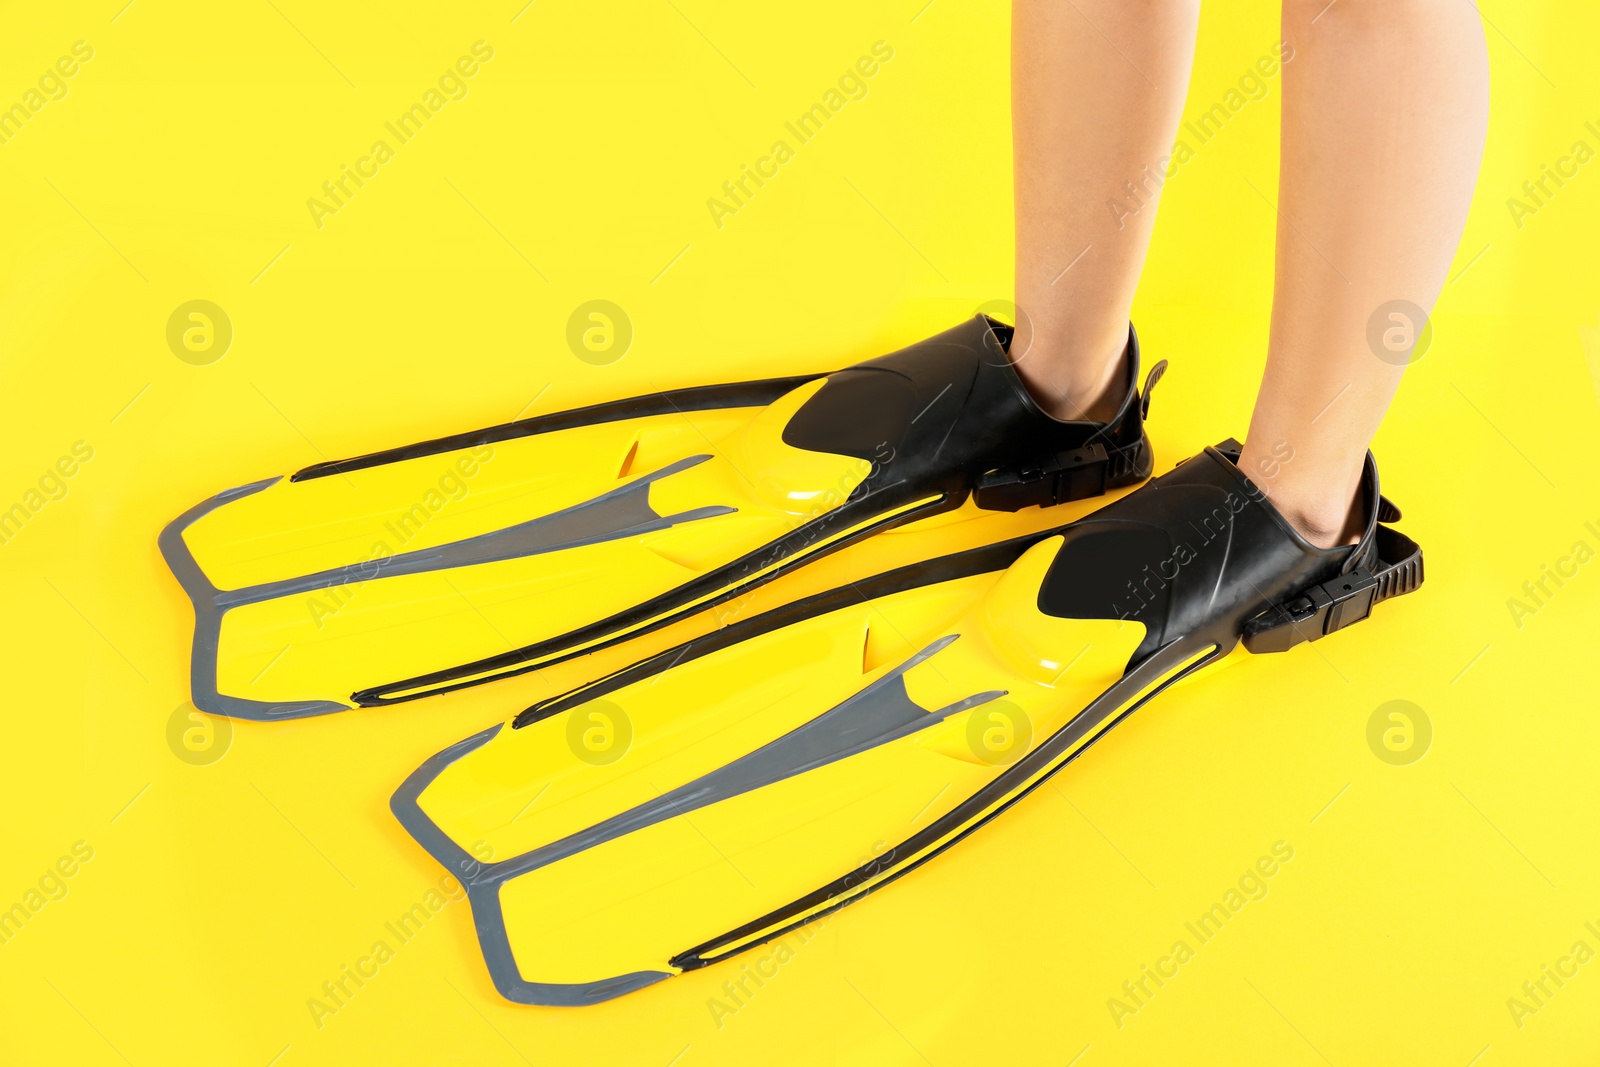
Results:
x,y
487,916
618,513
208,624
878,714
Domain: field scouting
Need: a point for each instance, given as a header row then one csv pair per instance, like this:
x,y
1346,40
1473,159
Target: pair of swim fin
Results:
x,y
714,796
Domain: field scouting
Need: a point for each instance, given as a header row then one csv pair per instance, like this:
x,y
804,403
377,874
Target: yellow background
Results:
x,y
220,898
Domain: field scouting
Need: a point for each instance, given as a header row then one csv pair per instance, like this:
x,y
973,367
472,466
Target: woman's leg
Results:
x,y
1385,104
1097,94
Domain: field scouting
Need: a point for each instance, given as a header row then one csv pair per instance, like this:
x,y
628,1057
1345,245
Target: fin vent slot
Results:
x,y
879,645
692,562
626,469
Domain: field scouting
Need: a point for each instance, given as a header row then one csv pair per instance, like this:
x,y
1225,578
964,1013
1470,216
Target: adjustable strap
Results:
x,y
1078,474
1342,600
1150,381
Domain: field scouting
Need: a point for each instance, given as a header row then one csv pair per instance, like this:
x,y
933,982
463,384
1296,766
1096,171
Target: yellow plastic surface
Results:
x,y
219,899
633,903
330,642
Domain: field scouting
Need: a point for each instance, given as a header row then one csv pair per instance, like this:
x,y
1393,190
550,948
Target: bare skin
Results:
x,y
1385,107
1097,91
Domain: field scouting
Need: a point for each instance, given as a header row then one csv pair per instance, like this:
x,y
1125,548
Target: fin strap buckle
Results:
x,y
1341,601
1315,613
1076,475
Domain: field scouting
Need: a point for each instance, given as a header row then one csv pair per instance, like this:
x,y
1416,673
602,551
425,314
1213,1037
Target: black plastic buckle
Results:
x,y
1076,475
1317,612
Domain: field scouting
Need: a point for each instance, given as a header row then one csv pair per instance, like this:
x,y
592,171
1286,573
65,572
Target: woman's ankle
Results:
x,y
1323,505
1075,386
1323,530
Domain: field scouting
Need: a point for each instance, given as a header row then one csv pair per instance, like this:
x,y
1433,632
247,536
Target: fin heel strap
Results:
x,y
1078,474
1341,601
1404,574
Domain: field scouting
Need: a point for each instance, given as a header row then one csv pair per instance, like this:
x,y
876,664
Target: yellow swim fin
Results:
x,y
719,794
457,561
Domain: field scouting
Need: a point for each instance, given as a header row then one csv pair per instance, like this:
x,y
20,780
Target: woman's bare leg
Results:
x,y
1097,94
1385,105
